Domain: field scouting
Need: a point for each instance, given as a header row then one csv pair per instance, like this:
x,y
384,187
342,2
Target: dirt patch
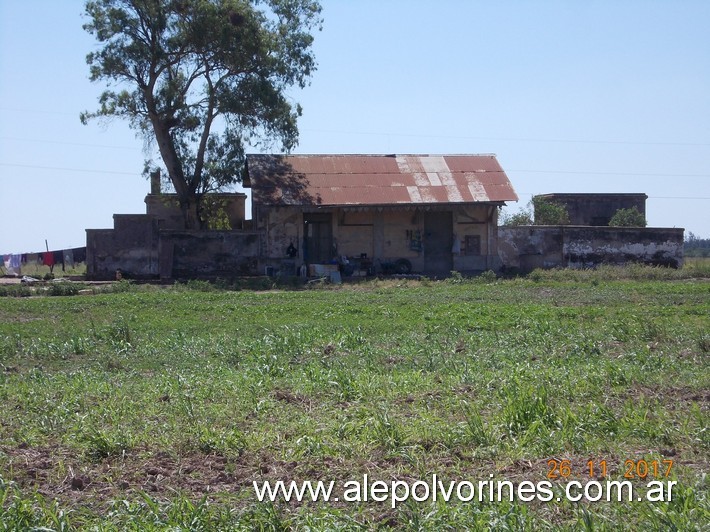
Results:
x,y
59,473
671,397
6,317
286,396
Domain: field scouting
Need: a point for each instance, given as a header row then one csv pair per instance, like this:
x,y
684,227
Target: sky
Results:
x,y
572,96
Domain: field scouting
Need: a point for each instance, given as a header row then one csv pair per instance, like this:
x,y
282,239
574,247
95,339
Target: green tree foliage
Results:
x,y
203,79
539,211
628,218
548,212
523,217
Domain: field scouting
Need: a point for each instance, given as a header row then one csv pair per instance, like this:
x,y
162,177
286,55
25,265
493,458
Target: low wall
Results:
x,y
131,246
141,250
528,247
190,254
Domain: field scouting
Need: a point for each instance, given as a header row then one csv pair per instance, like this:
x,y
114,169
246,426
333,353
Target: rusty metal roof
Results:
x,y
376,179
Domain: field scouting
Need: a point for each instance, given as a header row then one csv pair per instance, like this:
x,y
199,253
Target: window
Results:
x,y
472,245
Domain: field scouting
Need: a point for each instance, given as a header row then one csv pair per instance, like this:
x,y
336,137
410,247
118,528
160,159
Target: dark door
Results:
x,y
318,238
438,239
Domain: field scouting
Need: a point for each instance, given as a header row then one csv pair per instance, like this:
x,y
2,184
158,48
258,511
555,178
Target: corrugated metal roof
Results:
x,y
376,179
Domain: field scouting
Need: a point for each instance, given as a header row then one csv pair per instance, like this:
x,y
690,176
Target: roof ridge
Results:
x,y
371,155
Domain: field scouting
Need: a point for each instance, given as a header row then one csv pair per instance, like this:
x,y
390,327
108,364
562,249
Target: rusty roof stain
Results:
x,y
349,180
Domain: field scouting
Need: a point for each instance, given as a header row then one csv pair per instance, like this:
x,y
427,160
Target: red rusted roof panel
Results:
x,y
376,179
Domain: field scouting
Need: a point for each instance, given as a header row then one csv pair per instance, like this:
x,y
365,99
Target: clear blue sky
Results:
x,y
572,96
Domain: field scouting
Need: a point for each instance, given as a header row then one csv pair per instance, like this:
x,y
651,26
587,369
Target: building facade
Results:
x,y
378,213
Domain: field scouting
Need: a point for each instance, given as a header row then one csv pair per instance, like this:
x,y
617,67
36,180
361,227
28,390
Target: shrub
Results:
x,y
540,211
63,289
548,212
199,285
523,217
15,290
489,276
628,218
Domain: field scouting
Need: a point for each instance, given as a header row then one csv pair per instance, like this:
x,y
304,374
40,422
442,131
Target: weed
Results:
x,y
489,276
198,285
387,432
704,343
63,289
122,286
223,442
15,290
455,277
475,430
526,405
101,444
344,384
119,331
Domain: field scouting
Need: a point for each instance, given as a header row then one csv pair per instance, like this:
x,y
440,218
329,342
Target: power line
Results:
x,y
69,169
40,111
70,143
582,172
678,197
427,135
510,139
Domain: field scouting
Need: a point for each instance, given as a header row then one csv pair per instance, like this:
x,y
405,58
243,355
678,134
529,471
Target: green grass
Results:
x,y
155,408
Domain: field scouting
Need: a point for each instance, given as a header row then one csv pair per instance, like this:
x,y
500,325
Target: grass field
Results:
x,y
156,408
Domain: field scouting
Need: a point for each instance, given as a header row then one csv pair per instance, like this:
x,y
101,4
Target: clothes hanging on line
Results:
x,y
48,258
68,255
59,258
13,264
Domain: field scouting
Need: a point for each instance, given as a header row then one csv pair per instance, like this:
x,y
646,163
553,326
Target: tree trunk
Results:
x,y
188,199
189,206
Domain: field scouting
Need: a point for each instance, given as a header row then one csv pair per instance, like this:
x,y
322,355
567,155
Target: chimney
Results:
x,y
155,182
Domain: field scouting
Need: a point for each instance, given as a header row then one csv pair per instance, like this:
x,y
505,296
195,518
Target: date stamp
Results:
x,y
631,469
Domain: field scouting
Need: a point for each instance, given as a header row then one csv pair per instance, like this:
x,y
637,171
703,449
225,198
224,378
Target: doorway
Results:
x,y
438,239
317,238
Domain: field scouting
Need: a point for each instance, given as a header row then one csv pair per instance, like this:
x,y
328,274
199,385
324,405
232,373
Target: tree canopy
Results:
x,y
203,79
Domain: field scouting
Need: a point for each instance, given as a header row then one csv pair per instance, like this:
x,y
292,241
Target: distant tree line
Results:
x,y
696,247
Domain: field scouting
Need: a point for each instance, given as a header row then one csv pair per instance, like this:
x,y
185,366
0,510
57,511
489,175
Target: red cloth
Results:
x,y
48,258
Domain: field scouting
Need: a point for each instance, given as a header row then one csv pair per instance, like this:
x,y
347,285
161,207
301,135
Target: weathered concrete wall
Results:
x,y
597,209
356,233
166,209
529,247
131,246
395,226
142,251
190,254
475,229
279,227
143,246
384,234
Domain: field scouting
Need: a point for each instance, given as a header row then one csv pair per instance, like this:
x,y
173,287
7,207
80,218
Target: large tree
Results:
x,y
202,79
